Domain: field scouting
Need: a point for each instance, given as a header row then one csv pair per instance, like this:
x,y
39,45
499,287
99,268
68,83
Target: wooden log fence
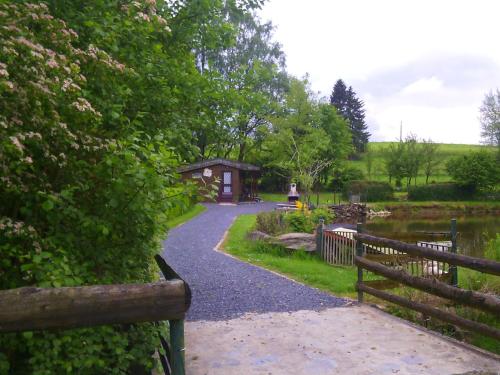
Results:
x,y
477,264
486,302
338,247
30,309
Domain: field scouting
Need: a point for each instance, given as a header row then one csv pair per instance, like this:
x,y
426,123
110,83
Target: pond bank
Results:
x,y
429,209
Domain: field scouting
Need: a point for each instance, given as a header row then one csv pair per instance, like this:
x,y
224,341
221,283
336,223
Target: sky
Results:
x,y
427,64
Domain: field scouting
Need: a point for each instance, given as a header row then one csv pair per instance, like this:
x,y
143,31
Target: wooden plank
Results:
x,y
394,258
486,302
26,309
482,265
432,312
382,284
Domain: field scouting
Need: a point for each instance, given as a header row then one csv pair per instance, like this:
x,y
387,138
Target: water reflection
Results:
x,y
474,230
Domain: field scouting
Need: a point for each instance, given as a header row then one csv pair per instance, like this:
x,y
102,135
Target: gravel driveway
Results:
x,y
223,287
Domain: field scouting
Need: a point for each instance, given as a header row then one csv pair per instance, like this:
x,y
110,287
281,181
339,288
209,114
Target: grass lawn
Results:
x,y
194,211
298,265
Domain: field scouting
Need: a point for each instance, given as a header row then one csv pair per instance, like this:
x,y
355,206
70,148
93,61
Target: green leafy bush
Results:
x,y
369,191
84,199
475,171
299,221
272,223
322,213
439,192
342,177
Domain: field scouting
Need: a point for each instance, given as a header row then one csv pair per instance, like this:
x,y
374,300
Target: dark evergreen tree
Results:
x,y
351,108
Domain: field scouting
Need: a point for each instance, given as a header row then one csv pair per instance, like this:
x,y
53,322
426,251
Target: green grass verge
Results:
x,y
188,215
298,265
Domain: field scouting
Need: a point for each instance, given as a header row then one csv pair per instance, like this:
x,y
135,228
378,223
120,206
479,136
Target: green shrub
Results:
x,y
369,191
322,213
299,221
83,199
271,223
342,177
475,171
439,192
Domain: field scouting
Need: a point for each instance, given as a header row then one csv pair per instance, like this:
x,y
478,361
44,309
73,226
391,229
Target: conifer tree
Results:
x,y
351,108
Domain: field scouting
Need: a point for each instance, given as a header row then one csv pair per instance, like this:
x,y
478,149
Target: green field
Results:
x,y
447,152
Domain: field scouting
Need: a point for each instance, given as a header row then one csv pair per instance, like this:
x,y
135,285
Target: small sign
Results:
x,y
207,172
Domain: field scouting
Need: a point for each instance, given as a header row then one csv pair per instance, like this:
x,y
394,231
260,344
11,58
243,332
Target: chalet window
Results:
x,y
196,175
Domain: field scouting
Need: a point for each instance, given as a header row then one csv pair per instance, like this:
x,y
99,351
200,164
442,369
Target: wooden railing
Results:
x,y
338,247
30,309
486,302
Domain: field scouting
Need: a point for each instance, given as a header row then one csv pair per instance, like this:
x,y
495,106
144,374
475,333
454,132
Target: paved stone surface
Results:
x,y
354,340
224,287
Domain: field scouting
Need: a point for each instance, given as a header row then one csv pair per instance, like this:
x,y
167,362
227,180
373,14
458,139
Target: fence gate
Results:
x,y
338,247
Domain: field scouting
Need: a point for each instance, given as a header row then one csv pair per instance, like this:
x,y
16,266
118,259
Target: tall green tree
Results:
x,y
430,158
307,139
252,71
351,108
490,119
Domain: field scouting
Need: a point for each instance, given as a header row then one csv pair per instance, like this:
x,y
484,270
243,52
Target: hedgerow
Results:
x,y
83,199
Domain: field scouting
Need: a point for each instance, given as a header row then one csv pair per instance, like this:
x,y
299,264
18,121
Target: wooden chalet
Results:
x,y
237,180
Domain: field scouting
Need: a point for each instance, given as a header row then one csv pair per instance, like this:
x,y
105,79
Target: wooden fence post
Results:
x,y
454,269
319,237
359,253
177,346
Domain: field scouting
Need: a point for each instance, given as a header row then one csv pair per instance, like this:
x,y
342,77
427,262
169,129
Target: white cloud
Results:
x,y
427,63
423,86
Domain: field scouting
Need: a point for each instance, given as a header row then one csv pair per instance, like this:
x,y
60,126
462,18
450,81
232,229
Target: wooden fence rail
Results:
x,y
29,309
477,264
486,302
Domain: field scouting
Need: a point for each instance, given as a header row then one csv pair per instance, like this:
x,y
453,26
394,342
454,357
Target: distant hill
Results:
x,y
447,152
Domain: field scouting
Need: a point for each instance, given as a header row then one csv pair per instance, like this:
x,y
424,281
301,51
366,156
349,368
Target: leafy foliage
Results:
x,y
271,223
439,192
299,221
306,140
343,175
279,222
88,177
476,171
369,191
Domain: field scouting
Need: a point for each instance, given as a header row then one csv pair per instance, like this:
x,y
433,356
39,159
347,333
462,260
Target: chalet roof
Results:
x,y
219,161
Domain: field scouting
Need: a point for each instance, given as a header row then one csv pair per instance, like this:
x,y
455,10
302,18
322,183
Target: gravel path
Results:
x,y
223,287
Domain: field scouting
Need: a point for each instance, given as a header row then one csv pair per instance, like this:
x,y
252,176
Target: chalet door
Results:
x,y
227,186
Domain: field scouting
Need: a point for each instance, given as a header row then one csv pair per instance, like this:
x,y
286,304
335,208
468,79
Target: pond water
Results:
x,y
473,230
